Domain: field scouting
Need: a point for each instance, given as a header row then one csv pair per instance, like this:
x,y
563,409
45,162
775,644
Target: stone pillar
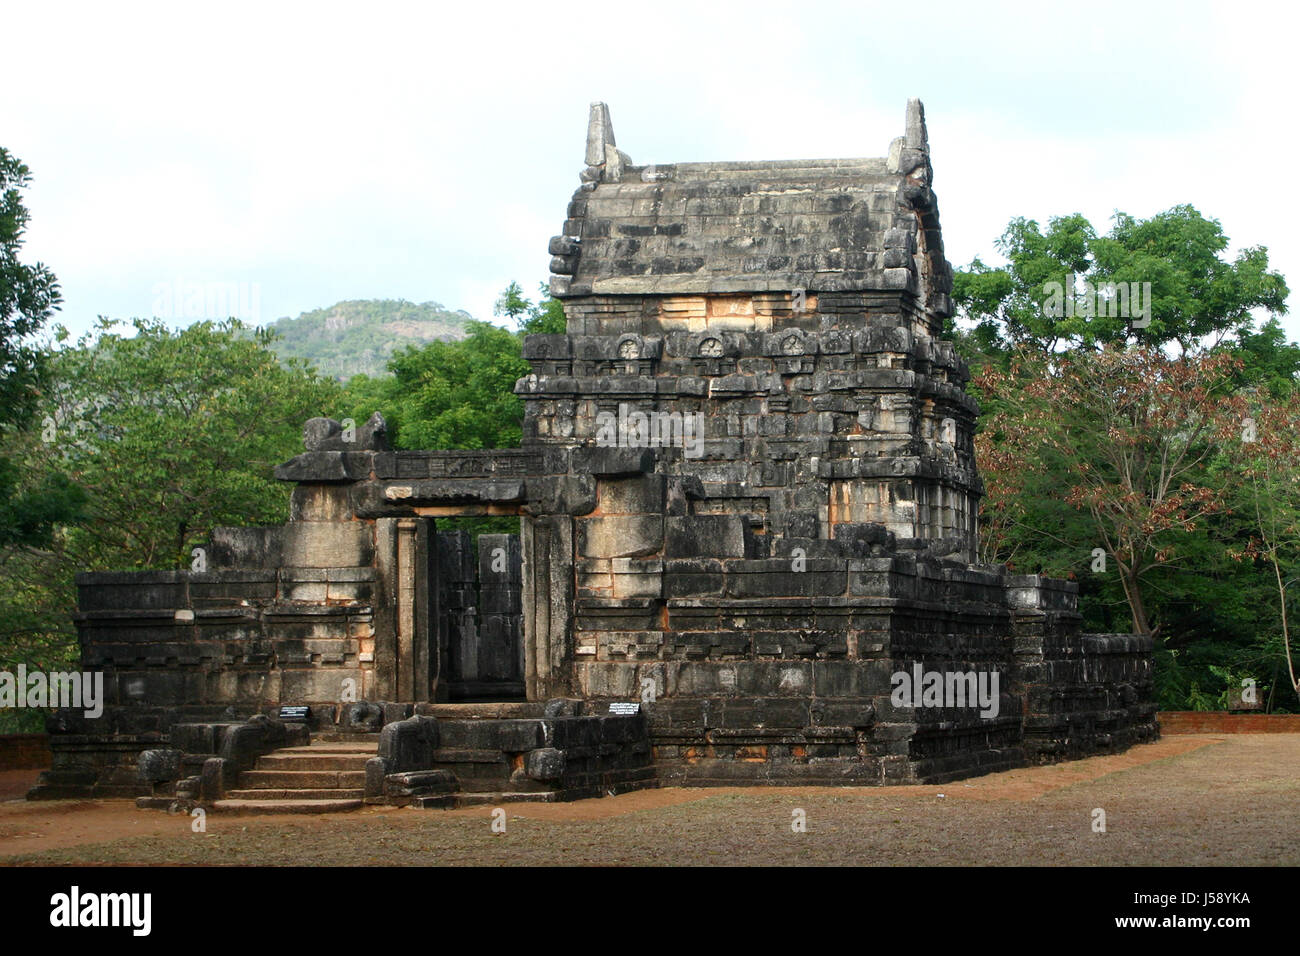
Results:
x,y
548,594
386,613
426,657
406,551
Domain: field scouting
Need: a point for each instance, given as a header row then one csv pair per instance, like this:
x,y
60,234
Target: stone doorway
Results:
x,y
476,592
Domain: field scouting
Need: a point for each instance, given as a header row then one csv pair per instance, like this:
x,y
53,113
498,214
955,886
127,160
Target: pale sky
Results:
x,y
314,153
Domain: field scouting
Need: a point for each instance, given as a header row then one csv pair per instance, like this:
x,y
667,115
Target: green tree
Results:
x,y
29,296
1131,432
512,303
546,317
1067,454
460,394
1195,295
1269,363
176,432
1270,492
456,394
31,505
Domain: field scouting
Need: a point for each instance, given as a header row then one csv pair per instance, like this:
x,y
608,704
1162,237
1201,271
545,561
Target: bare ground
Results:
x,y
1185,800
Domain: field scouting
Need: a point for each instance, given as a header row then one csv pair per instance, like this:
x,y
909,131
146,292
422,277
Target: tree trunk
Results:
x,y
1137,609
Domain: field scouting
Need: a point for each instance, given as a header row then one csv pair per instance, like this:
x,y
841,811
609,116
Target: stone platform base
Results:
x,y
473,754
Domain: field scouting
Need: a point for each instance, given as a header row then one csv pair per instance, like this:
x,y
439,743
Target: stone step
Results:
x,y
442,801
301,761
484,798
301,779
335,747
287,806
490,710
322,794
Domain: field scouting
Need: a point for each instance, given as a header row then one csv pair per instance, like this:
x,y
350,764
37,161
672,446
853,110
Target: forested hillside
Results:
x,y
359,336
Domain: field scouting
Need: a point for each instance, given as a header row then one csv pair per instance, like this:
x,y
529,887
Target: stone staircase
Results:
x,y
327,776
486,754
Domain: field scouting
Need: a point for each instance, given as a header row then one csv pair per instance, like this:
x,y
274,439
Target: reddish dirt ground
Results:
x,y
1184,800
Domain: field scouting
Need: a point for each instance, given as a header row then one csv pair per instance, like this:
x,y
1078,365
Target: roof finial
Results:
x,y
605,162
917,137
911,150
600,133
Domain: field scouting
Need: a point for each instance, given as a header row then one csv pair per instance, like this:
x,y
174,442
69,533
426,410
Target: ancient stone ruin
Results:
x,y
747,503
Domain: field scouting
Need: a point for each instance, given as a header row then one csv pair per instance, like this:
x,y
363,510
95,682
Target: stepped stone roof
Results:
x,y
828,225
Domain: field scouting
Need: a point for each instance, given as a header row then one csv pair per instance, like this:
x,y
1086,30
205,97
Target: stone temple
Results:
x,y
747,502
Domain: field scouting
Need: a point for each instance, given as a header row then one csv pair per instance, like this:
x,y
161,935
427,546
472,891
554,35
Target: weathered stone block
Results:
x,y
329,544
409,744
376,771
158,766
326,467
320,503
644,495
612,461
194,738
512,736
419,783
214,780
245,548
620,536
563,707
705,536
363,716
544,763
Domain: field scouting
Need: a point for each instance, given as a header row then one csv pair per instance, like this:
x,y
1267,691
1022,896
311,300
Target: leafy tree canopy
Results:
x,y
29,295
177,432
31,504
1194,294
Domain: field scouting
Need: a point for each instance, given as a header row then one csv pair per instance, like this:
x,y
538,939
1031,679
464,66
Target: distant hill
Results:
x,y
353,337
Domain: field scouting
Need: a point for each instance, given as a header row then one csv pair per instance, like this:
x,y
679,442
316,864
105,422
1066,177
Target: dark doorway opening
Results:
x,y
479,598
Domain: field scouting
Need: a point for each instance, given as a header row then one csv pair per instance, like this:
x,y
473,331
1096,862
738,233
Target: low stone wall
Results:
x,y
1084,693
94,758
246,638
762,686
94,766
573,757
1219,722
565,755
24,752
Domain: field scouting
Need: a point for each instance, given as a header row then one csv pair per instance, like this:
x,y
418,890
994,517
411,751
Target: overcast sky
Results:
x,y
370,150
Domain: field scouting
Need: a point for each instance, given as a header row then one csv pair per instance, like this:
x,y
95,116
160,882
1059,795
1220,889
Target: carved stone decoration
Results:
x,y
711,348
